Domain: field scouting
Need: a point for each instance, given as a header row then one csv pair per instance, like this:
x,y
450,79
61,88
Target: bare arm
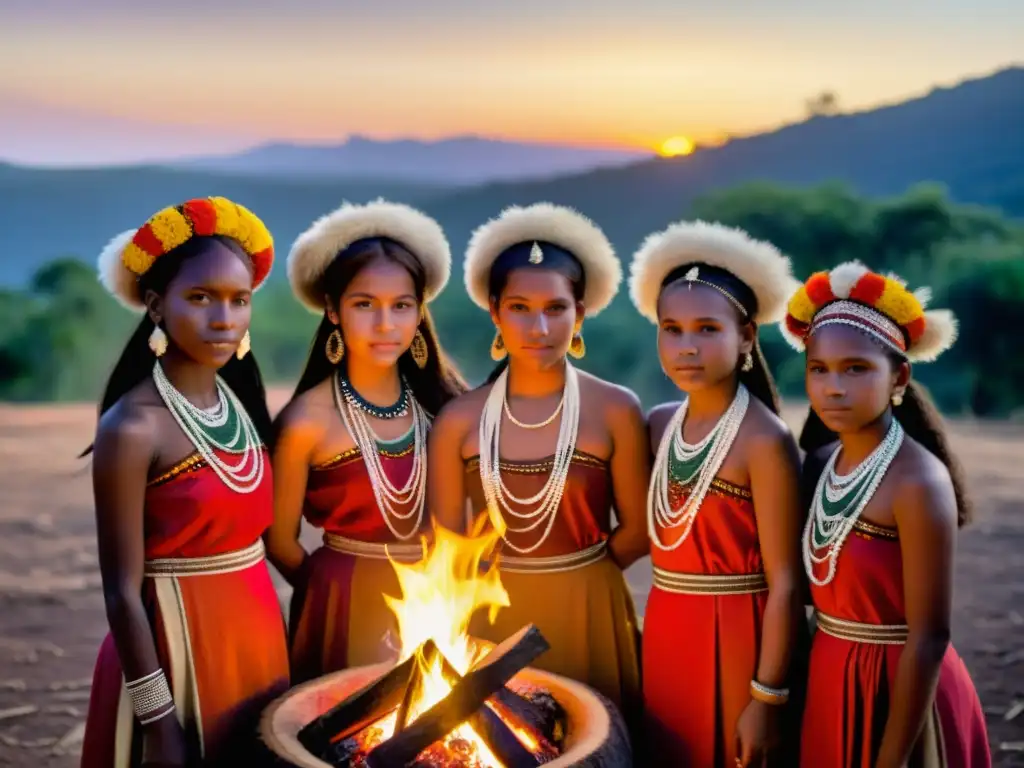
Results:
x,y
293,450
123,453
926,517
775,485
446,484
631,476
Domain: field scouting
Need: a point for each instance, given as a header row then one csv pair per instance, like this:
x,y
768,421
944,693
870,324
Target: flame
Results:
x,y
440,594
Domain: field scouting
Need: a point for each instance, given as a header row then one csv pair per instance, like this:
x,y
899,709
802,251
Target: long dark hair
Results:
x,y
136,362
556,259
758,380
433,385
922,421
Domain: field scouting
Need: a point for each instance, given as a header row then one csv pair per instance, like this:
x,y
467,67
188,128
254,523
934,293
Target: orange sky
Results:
x,y
608,76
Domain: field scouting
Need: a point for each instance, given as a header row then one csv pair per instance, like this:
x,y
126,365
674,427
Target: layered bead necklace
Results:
x,y
543,505
226,427
839,500
390,497
679,461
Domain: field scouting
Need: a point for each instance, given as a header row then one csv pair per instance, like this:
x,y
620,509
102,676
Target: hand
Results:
x,y
757,734
163,744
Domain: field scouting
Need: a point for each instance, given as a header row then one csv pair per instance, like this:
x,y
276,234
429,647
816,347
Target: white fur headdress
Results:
x,y
879,305
757,264
121,282
545,222
317,247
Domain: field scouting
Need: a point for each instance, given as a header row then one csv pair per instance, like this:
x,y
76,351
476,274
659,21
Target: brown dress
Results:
x,y
569,588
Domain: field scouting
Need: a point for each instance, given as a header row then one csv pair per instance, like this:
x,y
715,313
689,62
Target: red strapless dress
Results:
x,y
219,630
700,651
338,616
850,682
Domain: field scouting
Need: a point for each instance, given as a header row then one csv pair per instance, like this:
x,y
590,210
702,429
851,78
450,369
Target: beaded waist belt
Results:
x,y
227,562
399,551
555,563
855,632
710,583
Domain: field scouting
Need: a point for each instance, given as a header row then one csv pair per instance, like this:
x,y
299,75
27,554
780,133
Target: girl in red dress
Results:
x,y
183,494
724,615
886,689
350,449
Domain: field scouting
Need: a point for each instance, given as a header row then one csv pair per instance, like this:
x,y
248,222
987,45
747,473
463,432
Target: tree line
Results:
x,y
60,334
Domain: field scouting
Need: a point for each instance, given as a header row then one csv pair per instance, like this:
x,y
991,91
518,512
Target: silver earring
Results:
x,y
897,399
748,363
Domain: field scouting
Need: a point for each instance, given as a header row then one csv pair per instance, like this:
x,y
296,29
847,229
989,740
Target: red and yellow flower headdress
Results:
x,y
131,254
878,305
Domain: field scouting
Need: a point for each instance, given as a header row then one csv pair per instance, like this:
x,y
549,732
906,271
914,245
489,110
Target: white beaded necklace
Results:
x,y
545,502
659,507
830,530
242,477
389,496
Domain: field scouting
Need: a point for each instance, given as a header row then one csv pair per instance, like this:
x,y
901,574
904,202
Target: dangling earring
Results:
x,y
577,348
243,346
897,399
498,347
158,341
335,347
748,363
419,350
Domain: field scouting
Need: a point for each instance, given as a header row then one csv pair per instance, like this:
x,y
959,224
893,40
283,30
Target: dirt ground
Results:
x,y
51,611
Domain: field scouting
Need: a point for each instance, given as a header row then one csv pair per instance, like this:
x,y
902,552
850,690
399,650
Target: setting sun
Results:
x,y
676,146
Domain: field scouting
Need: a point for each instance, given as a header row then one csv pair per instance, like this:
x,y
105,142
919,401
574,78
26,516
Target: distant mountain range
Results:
x,y
454,161
969,137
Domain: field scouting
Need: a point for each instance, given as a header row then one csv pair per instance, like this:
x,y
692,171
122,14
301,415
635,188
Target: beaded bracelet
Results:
x,y
151,697
766,695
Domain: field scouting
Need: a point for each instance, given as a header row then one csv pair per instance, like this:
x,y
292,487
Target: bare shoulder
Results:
x,y
462,413
616,398
130,428
762,429
923,483
307,415
658,418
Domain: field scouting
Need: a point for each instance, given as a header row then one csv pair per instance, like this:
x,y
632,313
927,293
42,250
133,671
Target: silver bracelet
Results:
x,y
150,697
768,695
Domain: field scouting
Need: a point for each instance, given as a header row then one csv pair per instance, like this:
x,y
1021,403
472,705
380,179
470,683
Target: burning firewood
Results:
x,y
465,698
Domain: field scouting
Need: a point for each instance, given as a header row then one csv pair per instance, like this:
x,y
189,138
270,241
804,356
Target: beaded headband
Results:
x,y
131,254
317,248
880,306
757,264
544,223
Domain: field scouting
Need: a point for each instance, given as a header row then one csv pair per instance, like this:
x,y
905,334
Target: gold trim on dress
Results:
x,y
346,457
190,463
873,531
721,487
538,466
856,632
554,563
227,562
398,551
710,583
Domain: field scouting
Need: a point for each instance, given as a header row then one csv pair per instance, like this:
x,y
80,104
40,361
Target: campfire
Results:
x,y
446,702
449,700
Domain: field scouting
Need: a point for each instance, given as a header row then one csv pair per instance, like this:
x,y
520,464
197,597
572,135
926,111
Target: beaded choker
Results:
x,y
353,398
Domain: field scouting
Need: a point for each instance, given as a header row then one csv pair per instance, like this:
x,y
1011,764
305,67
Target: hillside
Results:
x,y
51,213
460,160
969,137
